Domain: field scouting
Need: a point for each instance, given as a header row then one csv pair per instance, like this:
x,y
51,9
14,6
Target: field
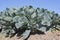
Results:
x,y
29,22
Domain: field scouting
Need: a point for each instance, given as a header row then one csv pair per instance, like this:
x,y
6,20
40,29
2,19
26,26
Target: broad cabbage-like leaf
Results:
x,y
19,25
26,34
8,18
15,19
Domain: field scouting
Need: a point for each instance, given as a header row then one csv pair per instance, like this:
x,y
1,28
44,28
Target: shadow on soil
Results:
x,y
20,31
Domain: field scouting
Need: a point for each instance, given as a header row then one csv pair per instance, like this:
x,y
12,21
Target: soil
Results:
x,y
47,36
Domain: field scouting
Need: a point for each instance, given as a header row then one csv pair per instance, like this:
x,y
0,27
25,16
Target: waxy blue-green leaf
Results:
x,y
15,19
19,25
1,18
43,29
33,15
26,34
46,20
8,18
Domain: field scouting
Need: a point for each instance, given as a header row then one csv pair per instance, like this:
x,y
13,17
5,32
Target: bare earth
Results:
x,y
47,36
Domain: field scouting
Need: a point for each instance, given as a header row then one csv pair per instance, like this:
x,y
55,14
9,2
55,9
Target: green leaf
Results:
x,y
58,27
43,29
22,19
33,15
19,25
4,32
46,20
15,19
1,18
12,31
2,22
8,18
26,34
